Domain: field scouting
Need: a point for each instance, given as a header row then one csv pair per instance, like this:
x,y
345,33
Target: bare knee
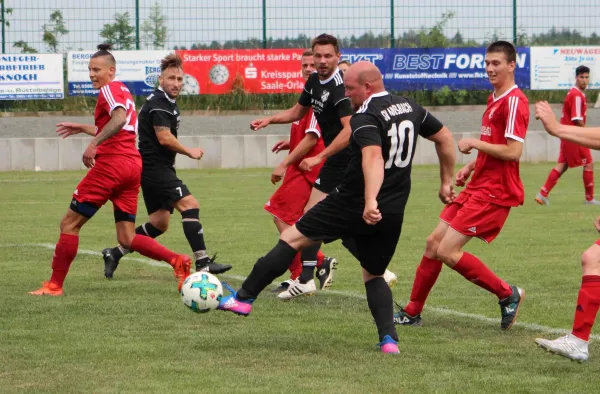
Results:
x,y
431,246
71,224
448,255
125,239
367,276
162,225
188,202
561,168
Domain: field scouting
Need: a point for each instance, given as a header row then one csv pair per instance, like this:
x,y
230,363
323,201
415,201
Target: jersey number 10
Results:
x,y
399,134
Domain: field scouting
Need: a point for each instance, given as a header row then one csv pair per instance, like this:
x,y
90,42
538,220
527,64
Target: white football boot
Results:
x,y
299,289
390,278
568,346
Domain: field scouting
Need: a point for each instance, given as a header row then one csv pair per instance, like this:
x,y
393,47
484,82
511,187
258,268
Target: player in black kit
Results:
x,y
324,92
158,125
368,207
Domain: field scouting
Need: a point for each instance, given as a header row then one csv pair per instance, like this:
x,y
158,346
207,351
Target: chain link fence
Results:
x,y
61,25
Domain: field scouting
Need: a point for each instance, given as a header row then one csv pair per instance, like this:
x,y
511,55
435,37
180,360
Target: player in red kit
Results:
x,y
571,154
115,171
482,208
575,345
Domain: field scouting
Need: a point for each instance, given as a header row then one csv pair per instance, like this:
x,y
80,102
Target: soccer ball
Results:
x,y
190,85
218,74
201,292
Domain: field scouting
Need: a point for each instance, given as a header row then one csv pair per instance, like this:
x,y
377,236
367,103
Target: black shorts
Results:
x,y
329,178
161,189
333,219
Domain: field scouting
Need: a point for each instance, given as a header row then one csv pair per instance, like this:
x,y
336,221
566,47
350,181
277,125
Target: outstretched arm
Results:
x,y
586,136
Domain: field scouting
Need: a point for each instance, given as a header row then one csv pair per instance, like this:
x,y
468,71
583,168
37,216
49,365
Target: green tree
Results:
x,y
3,20
54,30
120,33
154,29
24,46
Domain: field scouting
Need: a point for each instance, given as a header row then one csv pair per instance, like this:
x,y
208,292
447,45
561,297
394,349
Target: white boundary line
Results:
x,y
348,294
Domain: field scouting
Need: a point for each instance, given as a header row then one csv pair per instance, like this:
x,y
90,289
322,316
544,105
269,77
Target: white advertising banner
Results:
x,y
31,76
139,70
553,68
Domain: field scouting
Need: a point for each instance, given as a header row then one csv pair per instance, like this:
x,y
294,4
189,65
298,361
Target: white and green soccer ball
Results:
x,y
190,85
218,74
201,292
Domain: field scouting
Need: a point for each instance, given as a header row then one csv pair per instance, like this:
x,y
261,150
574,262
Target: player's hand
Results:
x,y
89,156
371,215
465,145
597,224
278,173
281,145
66,129
447,193
310,162
462,176
543,112
260,123
196,153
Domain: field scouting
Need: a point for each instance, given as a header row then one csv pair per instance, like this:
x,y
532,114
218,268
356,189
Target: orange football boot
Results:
x,y
181,267
48,288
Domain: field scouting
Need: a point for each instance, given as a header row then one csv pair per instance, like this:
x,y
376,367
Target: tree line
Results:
x,y
154,35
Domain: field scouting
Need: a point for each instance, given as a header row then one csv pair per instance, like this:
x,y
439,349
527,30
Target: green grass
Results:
x,y
133,334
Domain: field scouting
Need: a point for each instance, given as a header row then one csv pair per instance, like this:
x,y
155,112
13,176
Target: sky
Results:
x,y
204,21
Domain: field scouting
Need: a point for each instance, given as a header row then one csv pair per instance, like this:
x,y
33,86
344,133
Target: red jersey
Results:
x,y
308,124
574,107
111,96
494,180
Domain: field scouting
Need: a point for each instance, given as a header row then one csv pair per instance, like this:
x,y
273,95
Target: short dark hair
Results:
x,y
307,53
103,50
344,62
505,47
582,70
171,60
325,39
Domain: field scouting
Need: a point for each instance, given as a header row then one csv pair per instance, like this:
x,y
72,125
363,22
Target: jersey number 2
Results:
x,y
399,133
130,126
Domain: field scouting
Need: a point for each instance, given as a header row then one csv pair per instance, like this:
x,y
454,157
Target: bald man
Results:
x,y
368,206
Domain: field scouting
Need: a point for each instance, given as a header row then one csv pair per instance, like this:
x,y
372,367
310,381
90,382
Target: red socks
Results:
x,y
588,303
475,271
320,258
426,276
550,182
64,254
149,247
296,267
588,183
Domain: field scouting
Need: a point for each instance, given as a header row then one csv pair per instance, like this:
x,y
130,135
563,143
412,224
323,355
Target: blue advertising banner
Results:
x,y
434,68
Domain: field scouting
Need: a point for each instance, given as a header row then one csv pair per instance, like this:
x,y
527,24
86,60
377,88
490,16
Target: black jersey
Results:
x,y
393,123
159,110
329,102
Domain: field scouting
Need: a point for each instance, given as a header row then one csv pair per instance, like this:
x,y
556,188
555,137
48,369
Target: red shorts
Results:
x,y
574,155
288,202
475,218
114,179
